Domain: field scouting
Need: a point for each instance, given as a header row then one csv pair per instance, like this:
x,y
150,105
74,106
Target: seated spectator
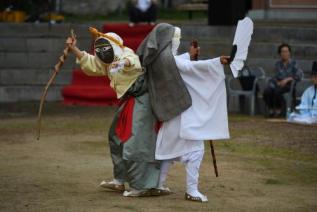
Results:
x,y
286,71
142,11
307,110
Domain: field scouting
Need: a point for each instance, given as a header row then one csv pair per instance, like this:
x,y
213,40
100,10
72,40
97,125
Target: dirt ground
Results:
x,y
265,166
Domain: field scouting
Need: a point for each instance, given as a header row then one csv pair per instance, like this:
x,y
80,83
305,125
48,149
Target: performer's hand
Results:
x,y
117,66
71,42
194,51
125,62
224,60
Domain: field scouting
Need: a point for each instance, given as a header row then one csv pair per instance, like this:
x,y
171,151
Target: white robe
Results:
x,y
206,119
307,110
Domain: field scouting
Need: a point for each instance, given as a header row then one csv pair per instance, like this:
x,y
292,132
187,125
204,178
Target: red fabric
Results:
x,y
87,90
125,119
158,126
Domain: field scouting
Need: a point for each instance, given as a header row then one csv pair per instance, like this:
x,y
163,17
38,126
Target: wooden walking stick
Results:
x,y
194,43
213,157
57,68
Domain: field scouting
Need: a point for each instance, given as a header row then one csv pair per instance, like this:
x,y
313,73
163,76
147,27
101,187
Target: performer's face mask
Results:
x,y
176,40
104,50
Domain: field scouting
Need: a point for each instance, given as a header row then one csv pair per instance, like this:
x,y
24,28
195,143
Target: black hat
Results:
x,y
314,68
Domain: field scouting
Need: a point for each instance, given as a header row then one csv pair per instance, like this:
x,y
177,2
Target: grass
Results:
x,y
272,182
254,150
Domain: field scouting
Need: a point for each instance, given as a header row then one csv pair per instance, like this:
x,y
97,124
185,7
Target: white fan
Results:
x,y
242,40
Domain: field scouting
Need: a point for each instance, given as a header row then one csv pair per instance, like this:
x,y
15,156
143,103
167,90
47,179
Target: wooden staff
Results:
x,y
57,68
213,157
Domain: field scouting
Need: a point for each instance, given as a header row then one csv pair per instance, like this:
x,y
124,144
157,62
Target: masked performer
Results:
x,y
181,136
132,135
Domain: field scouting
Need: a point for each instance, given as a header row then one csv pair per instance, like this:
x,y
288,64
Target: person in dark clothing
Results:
x,y
286,71
142,11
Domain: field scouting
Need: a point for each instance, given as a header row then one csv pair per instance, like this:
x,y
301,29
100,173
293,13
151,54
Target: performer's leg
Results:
x,y
119,166
192,163
142,178
143,175
163,173
119,169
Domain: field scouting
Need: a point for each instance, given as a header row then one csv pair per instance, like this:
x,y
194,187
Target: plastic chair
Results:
x,y
235,89
301,86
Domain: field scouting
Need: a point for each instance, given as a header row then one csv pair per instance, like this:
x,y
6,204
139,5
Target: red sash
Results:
x,y
125,119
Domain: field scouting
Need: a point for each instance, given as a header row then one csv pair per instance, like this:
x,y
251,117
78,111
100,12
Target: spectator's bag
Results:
x,y
246,78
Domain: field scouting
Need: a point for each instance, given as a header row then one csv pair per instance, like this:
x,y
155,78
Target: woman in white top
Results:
x,y
142,11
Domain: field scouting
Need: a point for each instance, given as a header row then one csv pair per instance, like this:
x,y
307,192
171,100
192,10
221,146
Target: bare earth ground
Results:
x,y
264,166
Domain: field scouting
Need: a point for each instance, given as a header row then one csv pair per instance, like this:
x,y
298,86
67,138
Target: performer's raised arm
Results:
x,y
89,63
188,61
214,65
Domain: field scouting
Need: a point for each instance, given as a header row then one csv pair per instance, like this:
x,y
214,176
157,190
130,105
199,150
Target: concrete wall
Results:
x,y
103,7
100,7
28,52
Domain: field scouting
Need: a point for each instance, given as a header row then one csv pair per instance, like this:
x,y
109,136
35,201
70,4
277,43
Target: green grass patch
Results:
x,y
256,150
286,166
272,182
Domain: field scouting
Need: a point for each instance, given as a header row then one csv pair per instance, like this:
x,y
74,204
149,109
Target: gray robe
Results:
x,y
134,161
168,93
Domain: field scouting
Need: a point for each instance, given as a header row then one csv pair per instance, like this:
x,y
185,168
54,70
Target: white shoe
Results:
x,y
112,185
197,198
137,193
131,24
164,188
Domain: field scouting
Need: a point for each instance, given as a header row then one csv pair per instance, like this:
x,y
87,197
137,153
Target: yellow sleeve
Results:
x,y
133,58
91,65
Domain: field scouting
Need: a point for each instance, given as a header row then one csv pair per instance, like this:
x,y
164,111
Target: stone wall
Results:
x,y
103,7
100,7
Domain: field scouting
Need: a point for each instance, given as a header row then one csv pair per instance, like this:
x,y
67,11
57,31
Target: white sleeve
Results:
x,y
211,65
184,56
91,65
305,99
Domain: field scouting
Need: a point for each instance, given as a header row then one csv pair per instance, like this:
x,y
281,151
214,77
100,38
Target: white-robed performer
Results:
x,y
182,138
306,112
